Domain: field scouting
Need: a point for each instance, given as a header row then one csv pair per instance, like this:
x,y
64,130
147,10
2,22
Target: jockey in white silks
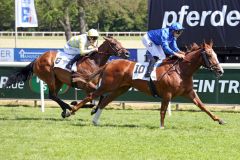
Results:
x,y
160,42
80,46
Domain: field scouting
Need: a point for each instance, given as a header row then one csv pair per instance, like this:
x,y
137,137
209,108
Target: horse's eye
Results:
x,y
209,55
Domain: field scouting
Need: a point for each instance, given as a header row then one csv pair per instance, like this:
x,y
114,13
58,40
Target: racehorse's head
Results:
x,y
210,59
114,47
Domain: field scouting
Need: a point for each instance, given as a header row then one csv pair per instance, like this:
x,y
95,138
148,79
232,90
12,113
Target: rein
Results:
x,y
113,48
174,64
207,65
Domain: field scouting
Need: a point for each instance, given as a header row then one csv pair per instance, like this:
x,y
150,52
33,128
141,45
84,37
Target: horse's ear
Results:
x,y
106,38
194,45
109,36
211,43
203,44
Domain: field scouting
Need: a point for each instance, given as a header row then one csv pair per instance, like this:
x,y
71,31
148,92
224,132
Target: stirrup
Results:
x,y
147,74
69,66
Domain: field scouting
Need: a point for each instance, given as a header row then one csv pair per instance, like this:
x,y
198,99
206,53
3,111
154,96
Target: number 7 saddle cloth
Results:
x,y
141,68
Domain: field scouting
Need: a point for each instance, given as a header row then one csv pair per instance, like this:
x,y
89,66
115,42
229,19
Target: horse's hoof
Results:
x,y
67,114
74,103
63,114
95,123
93,111
222,122
161,127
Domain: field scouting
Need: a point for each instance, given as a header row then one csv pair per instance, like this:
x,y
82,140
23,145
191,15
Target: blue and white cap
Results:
x,y
176,26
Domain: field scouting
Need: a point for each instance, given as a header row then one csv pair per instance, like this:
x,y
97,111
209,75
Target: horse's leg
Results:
x,y
100,91
106,100
43,68
88,87
164,106
94,110
74,109
53,90
196,100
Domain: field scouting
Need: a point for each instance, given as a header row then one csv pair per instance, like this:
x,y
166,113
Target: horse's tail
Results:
x,y
21,75
97,73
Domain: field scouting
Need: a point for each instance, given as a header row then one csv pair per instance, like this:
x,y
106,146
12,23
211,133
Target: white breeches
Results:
x,y
155,50
70,50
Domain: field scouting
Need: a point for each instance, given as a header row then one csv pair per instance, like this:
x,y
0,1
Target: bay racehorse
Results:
x,y
54,77
174,78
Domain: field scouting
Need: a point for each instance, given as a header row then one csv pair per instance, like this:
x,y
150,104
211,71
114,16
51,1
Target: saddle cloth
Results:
x,y
62,60
141,68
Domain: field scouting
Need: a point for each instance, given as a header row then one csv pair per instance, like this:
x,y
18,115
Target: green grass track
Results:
x,y
28,134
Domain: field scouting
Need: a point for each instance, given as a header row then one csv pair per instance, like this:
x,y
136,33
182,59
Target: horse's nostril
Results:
x,y
220,72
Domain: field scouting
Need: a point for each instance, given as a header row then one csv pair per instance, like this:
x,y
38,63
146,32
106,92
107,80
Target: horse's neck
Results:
x,y
100,58
194,63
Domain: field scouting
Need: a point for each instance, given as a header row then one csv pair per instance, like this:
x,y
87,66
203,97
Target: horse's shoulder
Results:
x,y
168,61
122,61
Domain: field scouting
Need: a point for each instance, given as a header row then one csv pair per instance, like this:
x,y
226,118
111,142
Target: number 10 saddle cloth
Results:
x,y
141,68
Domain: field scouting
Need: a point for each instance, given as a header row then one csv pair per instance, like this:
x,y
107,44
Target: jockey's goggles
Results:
x,y
93,38
178,31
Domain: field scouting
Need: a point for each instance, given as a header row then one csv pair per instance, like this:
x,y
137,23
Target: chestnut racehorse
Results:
x,y
174,78
43,67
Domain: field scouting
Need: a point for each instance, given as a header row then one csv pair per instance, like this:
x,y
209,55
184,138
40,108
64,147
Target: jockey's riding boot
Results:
x,y
151,64
72,61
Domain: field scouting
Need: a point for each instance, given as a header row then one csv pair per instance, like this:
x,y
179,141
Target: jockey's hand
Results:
x,y
181,52
180,56
96,49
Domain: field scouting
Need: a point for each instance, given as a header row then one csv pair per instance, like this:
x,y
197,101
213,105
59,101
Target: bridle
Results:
x,y
115,50
207,63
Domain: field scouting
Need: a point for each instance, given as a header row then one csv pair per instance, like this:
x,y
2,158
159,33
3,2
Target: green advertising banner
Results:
x,y
29,89
225,90
34,84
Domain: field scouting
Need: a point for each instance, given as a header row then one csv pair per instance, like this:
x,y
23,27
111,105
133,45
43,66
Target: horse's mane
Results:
x,y
192,47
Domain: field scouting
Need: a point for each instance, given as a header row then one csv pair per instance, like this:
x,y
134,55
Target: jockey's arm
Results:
x,y
84,51
166,48
175,48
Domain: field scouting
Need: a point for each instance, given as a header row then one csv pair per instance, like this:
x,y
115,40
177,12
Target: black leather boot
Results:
x,y
72,61
151,64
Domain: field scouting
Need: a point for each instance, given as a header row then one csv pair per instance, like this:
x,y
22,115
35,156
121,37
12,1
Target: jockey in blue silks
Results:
x,y
160,42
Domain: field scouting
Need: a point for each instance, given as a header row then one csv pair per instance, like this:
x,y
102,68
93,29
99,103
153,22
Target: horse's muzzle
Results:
x,y
219,73
127,54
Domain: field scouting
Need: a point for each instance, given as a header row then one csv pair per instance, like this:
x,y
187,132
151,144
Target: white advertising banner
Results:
x,y
6,55
25,13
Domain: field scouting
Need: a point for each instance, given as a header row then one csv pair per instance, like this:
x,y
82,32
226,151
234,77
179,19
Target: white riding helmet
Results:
x,y
93,33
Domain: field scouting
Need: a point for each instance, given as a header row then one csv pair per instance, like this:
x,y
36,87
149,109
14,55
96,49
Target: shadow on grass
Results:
x,y
193,110
37,119
118,126
17,105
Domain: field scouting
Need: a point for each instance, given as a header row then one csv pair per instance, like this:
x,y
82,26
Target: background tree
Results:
x,y
58,11
80,15
81,4
7,15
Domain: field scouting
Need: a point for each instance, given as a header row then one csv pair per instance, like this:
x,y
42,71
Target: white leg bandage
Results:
x,y
96,116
